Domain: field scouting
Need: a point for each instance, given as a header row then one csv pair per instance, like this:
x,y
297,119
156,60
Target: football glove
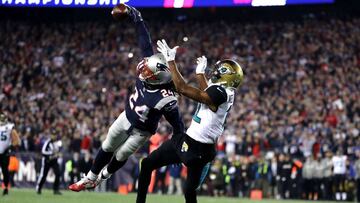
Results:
x,y
168,53
201,65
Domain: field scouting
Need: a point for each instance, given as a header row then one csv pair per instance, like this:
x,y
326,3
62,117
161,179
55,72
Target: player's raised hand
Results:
x,y
201,65
123,11
164,48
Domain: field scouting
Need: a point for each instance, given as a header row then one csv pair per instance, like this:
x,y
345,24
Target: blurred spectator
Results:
x,y
357,166
85,163
327,165
160,182
339,171
263,177
175,180
284,176
73,168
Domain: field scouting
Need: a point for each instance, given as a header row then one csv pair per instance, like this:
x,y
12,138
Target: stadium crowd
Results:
x,y
299,104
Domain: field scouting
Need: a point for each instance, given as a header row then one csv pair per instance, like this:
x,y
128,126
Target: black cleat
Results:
x,y
38,191
5,192
57,192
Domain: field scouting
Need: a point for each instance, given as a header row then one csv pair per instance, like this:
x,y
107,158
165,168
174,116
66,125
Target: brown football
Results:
x,y
120,12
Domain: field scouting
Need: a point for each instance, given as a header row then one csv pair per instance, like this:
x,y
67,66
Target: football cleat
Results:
x,y
5,192
84,184
57,192
101,178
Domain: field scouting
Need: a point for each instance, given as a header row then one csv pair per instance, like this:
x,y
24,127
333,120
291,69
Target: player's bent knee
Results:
x,y
146,165
107,146
121,156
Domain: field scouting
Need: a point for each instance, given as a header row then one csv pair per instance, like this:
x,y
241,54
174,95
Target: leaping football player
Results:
x,y
153,98
196,148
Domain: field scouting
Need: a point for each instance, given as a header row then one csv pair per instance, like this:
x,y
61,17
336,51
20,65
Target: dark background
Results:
x,y
292,12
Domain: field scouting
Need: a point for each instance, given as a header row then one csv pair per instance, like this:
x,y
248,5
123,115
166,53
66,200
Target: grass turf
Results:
x,y
29,196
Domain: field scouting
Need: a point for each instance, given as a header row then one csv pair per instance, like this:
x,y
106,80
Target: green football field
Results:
x,y
29,196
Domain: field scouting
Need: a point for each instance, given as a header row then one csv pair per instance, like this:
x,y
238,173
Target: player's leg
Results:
x,y
192,182
42,176
116,136
56,168
198,157
171,185
343,188
5,171
136,140
164,155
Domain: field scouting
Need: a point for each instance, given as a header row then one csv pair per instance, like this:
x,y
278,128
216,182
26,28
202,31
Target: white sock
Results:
x,y
106,173
91,175
338,196
344,196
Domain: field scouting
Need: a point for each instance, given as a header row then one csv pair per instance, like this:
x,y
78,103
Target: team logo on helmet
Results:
x,y
228,73
154,70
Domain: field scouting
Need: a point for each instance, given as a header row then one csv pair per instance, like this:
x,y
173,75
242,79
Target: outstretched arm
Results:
x,y
143,33
187,90
181,86
144,38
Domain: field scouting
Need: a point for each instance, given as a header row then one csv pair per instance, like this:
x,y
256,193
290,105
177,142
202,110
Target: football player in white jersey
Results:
x,y
196,148
339,171
8,137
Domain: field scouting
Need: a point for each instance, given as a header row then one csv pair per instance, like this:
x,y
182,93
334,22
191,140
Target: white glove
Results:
x,y
201,65
166,51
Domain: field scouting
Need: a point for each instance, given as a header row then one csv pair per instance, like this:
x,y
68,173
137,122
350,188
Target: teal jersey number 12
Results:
x,y
196,118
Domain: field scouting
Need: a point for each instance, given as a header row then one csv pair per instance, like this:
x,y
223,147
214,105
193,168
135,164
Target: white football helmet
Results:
x,y
154,70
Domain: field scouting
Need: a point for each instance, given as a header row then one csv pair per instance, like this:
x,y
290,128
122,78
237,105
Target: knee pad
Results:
x,y
121,156
107,146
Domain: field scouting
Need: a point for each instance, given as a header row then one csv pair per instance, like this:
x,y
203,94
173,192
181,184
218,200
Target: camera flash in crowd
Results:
x,y
130,55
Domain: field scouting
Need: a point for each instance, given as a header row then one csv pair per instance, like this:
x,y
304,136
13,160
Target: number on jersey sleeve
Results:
x,y
166,93
196,118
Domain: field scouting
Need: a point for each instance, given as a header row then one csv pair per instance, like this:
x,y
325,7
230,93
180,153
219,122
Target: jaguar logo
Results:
x,y
184,147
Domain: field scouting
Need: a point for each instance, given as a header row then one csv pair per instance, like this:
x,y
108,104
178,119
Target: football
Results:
x,y
120,12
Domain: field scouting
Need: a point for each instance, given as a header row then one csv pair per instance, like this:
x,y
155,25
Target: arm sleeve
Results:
x,y
217,94
144,39
172,115
46,149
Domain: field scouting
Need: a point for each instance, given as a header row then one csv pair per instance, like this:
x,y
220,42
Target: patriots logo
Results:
x,y
162,67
